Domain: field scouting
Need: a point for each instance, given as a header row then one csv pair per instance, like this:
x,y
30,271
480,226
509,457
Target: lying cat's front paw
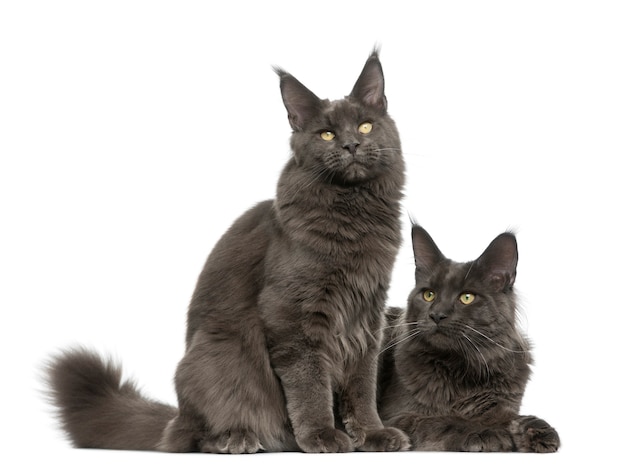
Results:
x,y
389,439
534,435
328,440
236,441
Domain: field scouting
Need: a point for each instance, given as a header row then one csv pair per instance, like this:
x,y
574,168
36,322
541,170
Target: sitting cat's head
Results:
x,y
347,141
464,307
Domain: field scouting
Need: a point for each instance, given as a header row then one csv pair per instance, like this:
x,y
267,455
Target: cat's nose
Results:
x,y
351,147
437,317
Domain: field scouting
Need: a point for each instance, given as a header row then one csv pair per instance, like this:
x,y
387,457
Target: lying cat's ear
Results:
x,y
370,86
498,263
425,251
301,104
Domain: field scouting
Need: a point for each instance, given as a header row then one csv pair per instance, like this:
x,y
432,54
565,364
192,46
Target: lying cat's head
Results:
x,y
464,307
347,141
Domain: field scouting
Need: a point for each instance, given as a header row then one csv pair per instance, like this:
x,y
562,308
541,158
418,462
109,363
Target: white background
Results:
x,y
133,133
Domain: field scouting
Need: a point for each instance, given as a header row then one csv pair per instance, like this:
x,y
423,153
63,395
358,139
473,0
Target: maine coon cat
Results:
x,y
454,365
283,327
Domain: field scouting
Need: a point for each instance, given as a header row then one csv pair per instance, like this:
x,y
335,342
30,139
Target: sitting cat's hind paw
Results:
x,y
237,441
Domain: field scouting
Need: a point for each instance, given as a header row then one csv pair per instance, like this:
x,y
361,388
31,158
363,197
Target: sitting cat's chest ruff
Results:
x,y
314,275
330,266
346,225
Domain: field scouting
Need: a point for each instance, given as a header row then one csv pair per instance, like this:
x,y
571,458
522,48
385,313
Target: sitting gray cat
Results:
x,y
283,328
454,365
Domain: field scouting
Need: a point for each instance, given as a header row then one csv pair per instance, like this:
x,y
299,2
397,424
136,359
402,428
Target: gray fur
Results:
x,y
453,375
284,324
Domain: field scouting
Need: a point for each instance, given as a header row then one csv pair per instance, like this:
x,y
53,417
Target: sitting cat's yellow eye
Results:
x,y
327,135
467,298
428,295
365,128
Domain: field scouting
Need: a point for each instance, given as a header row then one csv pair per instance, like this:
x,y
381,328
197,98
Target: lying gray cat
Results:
x,y
284,325
454,365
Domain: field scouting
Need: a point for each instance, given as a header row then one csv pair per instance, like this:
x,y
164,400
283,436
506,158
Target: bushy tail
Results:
x,y
97,410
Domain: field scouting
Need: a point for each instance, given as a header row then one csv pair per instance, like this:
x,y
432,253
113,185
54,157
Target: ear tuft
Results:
x,y
427,254
301,104
370,86
498,263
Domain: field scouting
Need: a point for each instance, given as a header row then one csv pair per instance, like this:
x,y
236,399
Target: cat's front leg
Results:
x,y
534,435
451,433
309,404
305,379
359,413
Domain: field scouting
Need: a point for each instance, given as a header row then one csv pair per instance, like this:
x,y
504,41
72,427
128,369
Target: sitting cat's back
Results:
x,y
234,270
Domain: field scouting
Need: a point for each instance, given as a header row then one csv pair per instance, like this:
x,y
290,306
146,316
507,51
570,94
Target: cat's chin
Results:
x,y
354,174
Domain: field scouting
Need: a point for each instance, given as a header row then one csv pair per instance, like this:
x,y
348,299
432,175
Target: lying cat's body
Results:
x,y
287,311
454,365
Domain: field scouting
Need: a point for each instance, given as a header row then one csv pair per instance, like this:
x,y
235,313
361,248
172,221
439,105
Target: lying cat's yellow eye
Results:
x,y
428,295
365,128
467,298
327,135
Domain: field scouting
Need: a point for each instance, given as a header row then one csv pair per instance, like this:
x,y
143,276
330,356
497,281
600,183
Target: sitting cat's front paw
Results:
x,y
328,440
534,435
389,439
236,441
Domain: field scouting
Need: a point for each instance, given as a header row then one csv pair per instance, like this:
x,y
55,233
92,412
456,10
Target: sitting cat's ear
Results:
x,y
425,251
370,86
498,263
301,104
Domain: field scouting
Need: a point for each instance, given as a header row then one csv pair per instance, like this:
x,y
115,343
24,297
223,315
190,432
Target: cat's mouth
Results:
x,y
440,336
350,168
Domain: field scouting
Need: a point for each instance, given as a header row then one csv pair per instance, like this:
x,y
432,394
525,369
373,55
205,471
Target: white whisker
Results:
x,y
412,333
468,271
479,352
404,324
493,341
